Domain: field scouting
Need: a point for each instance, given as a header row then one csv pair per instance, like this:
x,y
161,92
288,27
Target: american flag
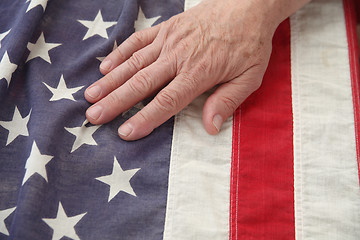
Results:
x,y
286,166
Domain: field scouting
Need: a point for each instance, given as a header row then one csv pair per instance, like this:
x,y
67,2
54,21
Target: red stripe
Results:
x,y
262,192
350,19
234,182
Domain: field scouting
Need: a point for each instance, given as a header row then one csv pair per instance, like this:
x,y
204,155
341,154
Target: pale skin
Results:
x,y
223,43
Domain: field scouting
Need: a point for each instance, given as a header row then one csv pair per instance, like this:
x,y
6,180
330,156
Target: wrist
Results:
x,y
270,12
279,10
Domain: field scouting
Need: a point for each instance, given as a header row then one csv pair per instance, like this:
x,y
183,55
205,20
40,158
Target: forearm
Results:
x,y
269,13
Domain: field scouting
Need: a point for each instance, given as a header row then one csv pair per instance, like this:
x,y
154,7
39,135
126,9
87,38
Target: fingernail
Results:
x,y
94,112
217,121
94,91
125,130
106,64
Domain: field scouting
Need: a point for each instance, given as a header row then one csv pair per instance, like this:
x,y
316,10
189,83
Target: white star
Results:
x,y
83,135
119,180
142,22
3,35
7,68
61,91
102,58
63,225
34,3
17,126
36,163
41,49
4,214
96,27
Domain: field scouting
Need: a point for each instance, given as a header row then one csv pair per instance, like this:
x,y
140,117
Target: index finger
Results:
x,y
135,42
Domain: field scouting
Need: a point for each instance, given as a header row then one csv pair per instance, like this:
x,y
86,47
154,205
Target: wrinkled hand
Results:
x,y
215,43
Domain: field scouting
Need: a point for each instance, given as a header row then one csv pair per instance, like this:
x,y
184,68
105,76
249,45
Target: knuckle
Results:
x,y
136,61
166,57
230,103
167,101
141,83
190,82
169,61
136,38
182,61
202,67
112,81
112,99
251,85
146,121
256,84
142,117
120,54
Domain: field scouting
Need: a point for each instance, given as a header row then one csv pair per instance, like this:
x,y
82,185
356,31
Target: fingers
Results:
x,y
135,42
179,93
141,85
122,73
167,103
226,99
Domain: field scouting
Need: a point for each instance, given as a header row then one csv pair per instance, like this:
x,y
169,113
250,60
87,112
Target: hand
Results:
x,y
225,43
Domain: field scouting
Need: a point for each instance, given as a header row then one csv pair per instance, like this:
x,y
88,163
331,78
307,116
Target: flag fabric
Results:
x,y
286,166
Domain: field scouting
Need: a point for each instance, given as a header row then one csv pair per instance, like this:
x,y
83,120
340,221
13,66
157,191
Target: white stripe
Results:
x,y
327,192
199,179
191,3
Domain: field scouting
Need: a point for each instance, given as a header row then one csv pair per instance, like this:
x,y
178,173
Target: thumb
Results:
x,y
226,99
